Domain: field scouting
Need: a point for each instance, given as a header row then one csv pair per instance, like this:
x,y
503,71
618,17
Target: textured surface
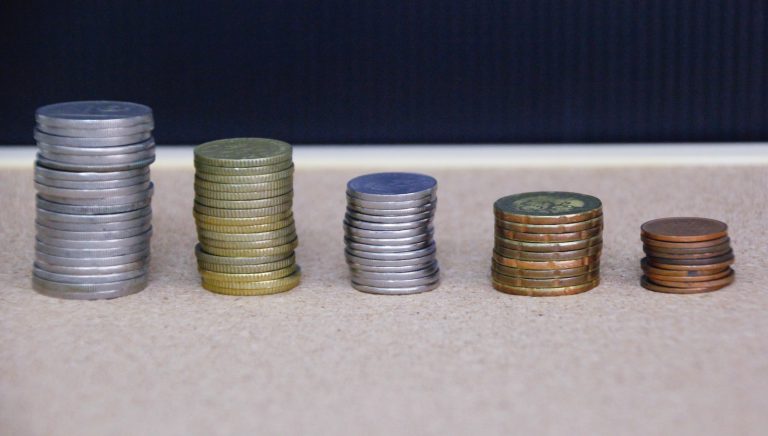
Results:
x,y
463,359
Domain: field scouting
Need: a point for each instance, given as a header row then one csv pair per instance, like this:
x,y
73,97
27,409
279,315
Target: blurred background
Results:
x,y
421,71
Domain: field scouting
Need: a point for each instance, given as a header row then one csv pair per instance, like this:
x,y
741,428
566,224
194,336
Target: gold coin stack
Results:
x,y
547,243
243,211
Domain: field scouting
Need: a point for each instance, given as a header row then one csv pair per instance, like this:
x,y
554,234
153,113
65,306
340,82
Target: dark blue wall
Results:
x,y
398,71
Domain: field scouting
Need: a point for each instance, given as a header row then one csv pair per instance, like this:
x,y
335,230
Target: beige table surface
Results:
x,y
464,359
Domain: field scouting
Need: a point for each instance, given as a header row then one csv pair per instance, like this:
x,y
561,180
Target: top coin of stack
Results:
x,y
389,233
547,243
243,211
93,203
686,255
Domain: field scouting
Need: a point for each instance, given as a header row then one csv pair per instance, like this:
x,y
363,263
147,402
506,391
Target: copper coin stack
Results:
x,y
686,255
547,243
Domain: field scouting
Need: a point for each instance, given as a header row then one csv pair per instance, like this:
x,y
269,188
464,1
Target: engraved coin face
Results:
x,y
559,207
543,204
94,114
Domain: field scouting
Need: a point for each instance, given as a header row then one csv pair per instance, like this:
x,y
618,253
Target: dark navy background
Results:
x,y
404,71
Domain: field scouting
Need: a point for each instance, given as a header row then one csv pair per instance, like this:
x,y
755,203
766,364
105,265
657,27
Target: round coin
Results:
x,y
257,228
202,256
89,291
203,219
86,176
256,285
546,247
246,245
49,216
392,241
259,178
398,283
546,265
549,237
386,226
397,291
644,282
390,263
391,187
98,227
274,185
390,269
548,207
246,269
110,132
90,270
82,262
362,274
701,278
399,255
545,292
551,228
253,252
242,152
61,208
383,206
544,273
652,270
680,245
213,277
705,269
554,255
97,151
114,141
96,184
386,248
356,216
681,250
684,229
723,281
389,234
99,114
244,237
89,279
42,161
656,254
279,210
51,191
558,282
246,204
244,172
691,262
429,207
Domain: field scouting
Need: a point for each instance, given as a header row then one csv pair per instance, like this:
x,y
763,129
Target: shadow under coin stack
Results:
x,y
547,243
389,233
686,255
94,217
243,210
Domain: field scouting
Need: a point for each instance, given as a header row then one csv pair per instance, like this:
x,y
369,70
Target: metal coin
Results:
x,y
92,168
246,204
89,291
389,269
545,292
397,291
698,272
242,152
93,114
399,283
243,172
549,237
202,256
95,252
98,227
429,207
247,277
551,228
95,133
595,250
95,262
103,201
708,268
254,252
278,196
91,210
386,226
558,282
723,281
109,160
85,176
49,216
208,243
96,151
386,248
115,141
94,246
644,282
683,251
691,262
391,186
701,278
51,191
388,263
246,269
684,229
256,285
98,184
546,247
390,234
544,273
382,206
547,207
546,265
354,215
656,254
92,279
275,185
392,241
401,255
679,245
91,270
244,237
259,178
92,236
203,219
371,275
243,213
258,228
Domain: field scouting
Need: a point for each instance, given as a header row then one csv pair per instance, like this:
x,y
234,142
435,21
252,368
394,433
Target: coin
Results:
x,y
549,237
242,152
396,283
94,244
245,171
209,244
708,267
89,291
390,263
51,191
722,281
97,184
243,213
202,256
93,114
404,242
89,176
387,226
656,254
61,208
644,282
546,292
691,262
387,205
220,277
682,250
545,247
652,270
554,255
89,279
429,207
105,261
546,265
279,201
247,269
544,273
350,243
256,285
551,228
109,159
388,269
96,151
273,185
234,237
92,168
114,141
391,187
385,234
93,235
245,180
700,278
203,219
684,229
389,255
428,271
46,215
397,291
558,282
353,215
90,270
253,252
547,207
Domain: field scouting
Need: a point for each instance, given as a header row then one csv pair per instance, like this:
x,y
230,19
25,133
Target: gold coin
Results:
x,y
244,237
262,285
595,250
550,228
548,246
204,220
212,276
549,237
275,185
244,204
257,228
244,171
202,175
558,282
266,260
544,273
548,207
545,292
243,213
247,245
271,196
254,252
547,265
246,269
243,152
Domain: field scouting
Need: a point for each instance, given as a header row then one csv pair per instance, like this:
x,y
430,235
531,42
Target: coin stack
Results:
x,y
547,243
389,233
243,210
686,255
94,218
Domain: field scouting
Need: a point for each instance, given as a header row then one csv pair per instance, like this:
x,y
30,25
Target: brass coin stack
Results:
x,y
243,211
686,255
547,243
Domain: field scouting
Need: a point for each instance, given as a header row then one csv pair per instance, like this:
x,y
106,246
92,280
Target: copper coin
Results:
x,y
684,229
681,250
678,245
549,237
545,292
511,244
553,255
707,255
544,273
723,281
551,264
706,269
644,282
545,283
707,261
550,228
704,278
548,207
652,270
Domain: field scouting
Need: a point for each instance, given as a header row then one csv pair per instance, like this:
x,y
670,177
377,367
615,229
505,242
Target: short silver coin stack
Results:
x,y
389,233
94,193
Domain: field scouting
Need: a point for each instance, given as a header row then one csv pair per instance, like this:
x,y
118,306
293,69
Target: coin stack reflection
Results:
x,y
686,255
94,217
243,211
389,233
547,243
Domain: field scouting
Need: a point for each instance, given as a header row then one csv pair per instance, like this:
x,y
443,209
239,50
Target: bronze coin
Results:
x,y
545,292
702,278
684,229
511,244
545,283
712,249
548,265
652,270
549,237
550,228
547,207
678,245
644,282
723,281
691,262
553,255
706,269
707,255
543,273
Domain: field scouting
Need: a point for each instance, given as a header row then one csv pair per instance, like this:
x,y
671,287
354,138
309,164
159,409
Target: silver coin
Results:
x,y
93,219
358,267
89,291
90,236
92,168
104,159
92,142
386,248
94,252
93,262
392,241
95,244
377,262
211,258
389,219
91,270
429,207
141,195
386,226
96,184
371,275
95,227
89,279
85,176
91,210
397,291
110,132
386,234
97,151
392,186
398,283
400,255
389,205
56,192
97,114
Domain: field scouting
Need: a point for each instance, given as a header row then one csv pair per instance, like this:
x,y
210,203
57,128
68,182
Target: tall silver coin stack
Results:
x,y
94,215
389,233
